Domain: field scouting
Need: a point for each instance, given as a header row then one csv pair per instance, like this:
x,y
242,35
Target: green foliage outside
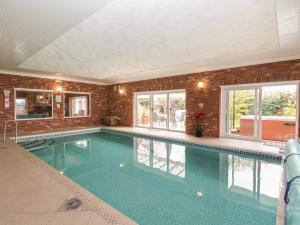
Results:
x,y
279,104
241,103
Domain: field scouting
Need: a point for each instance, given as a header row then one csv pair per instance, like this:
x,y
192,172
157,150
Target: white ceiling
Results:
x,y
112,41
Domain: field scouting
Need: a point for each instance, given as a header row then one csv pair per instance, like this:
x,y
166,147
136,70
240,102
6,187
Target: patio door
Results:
x,y
242,112
279,112
262,111
161,110
143,106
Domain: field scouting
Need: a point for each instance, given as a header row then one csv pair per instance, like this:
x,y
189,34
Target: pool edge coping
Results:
x,y
215,147
220,148
280,217
107,212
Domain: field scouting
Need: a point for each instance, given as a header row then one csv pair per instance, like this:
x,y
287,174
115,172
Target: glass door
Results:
x,y
177,111
279,112
242,112
262,112
160,111
143,105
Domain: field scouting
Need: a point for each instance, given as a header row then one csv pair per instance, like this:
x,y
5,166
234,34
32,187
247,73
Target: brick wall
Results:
x,y
122,105
98,96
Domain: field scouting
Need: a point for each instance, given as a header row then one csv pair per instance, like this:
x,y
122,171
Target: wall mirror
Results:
x,y
33,104
77,104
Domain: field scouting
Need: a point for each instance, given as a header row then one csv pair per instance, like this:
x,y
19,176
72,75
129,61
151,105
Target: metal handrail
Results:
x,y
5,128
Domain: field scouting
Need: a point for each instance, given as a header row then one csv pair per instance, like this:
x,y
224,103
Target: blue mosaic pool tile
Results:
x,y
54,135
197,145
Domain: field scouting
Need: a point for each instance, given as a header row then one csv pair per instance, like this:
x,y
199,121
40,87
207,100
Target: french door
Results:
x,y
161,110
263,112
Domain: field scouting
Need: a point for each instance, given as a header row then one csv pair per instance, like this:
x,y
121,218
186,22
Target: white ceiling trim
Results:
x,y
51,77
199,70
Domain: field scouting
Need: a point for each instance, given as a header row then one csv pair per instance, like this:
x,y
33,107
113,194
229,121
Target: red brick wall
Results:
x,y
122,105
98,96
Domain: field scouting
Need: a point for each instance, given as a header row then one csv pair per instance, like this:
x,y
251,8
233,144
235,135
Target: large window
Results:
x,y
163,110
76,104
267,112
32,104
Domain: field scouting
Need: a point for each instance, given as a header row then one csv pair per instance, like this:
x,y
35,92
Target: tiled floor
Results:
x,y
32,193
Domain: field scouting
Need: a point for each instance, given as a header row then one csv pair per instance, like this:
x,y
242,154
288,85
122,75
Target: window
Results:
x,y
163,110
32,104
265,111
76,104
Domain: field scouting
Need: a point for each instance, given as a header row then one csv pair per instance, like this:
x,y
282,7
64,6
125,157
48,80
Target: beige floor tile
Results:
x,y
31,219
14,203
31,193
71,218
95,219
45,203
6,217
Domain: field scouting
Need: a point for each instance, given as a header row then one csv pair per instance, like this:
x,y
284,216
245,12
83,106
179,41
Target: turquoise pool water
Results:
x,y
155,182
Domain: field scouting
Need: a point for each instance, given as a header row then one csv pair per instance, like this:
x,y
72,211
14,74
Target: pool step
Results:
x,y
37,144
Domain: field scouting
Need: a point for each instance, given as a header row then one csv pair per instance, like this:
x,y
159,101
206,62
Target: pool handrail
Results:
x,y
5,129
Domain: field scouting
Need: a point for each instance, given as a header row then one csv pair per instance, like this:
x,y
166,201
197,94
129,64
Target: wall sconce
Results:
x,y
59,86
121,91
200,84
59,89
118,88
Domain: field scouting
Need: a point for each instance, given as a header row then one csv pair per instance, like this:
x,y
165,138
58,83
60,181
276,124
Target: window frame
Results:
x,y
32,90
151,93
223,133
89,104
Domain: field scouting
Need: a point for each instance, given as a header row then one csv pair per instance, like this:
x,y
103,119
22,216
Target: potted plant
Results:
x,y
111,120
199,128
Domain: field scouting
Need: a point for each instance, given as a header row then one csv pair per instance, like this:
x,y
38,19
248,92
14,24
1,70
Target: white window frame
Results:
x,y
32,90
89,105
151,93
258,96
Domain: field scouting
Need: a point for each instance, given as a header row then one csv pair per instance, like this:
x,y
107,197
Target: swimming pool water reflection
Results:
x,y
155,182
